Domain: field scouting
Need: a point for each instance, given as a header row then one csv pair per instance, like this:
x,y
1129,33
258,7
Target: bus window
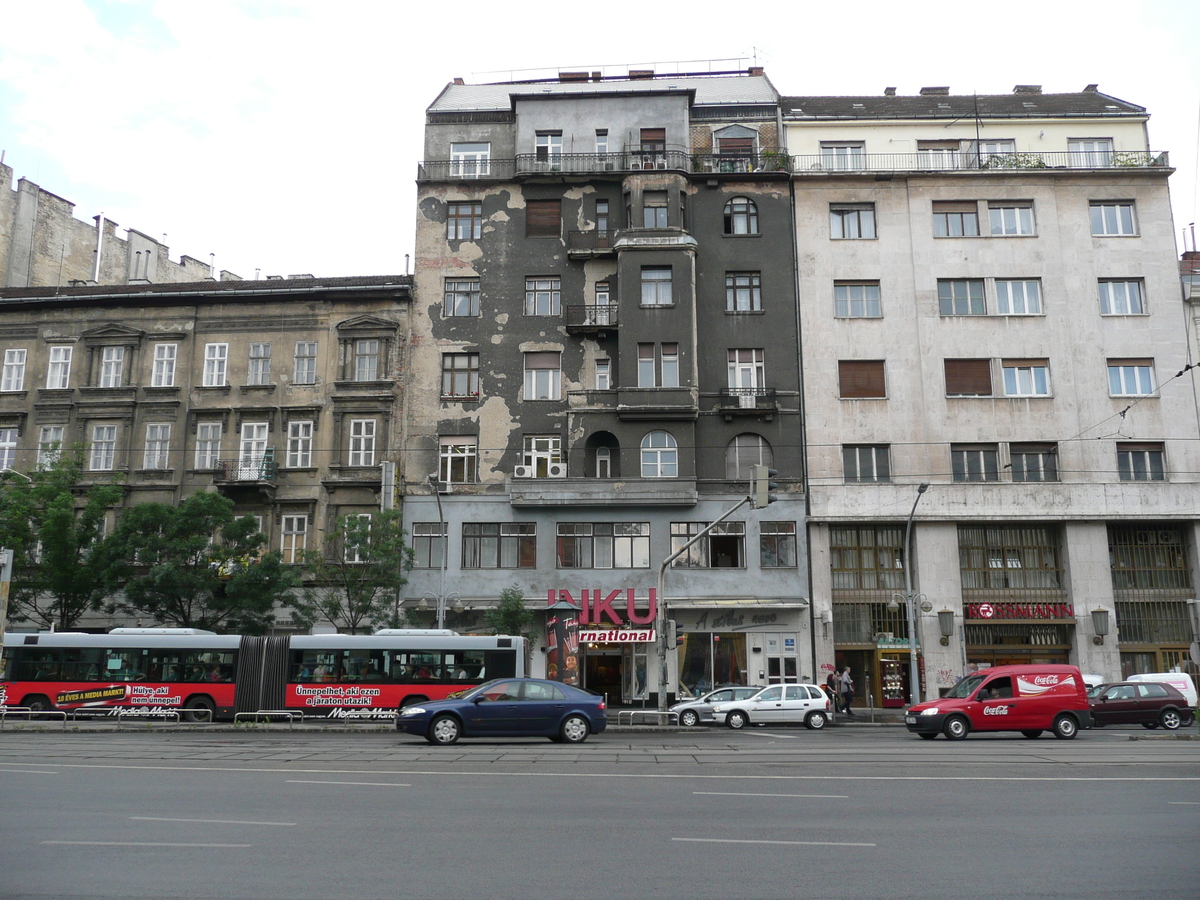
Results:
x,y
45,665
124,665
500,663
466,666
165,665
83,664
418,666
366,665
212,666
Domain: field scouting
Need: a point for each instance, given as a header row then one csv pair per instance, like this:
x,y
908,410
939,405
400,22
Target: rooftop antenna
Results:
x,y
406,263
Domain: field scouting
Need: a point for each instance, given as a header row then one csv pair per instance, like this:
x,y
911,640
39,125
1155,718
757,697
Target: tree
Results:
x,y
195,566
357,577
55,529
510,615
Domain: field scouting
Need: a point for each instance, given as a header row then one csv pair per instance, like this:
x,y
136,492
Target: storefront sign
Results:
x,y
892,642
617,636
1020,611
595,606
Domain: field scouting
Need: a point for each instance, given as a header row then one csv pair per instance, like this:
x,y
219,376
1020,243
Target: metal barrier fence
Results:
x,y
661,717
6,711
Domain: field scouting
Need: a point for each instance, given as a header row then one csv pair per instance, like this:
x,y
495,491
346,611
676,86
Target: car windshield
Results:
x,y
1095,692
474,692
966,687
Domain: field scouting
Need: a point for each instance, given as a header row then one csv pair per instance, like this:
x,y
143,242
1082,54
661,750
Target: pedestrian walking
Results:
x,y
847,692
833,686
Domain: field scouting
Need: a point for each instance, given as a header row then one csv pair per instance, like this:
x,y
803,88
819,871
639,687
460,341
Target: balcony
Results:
x,y
619,163
657,403
256,473
748,402
590,319
606,492
589,244
824,164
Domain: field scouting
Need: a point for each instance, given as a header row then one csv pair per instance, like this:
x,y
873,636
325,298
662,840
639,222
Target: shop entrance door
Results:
x,y
782,665
602,673
633,664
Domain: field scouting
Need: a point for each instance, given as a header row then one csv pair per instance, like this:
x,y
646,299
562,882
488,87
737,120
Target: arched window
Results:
x,y
744,451
603,462
741,216
660,456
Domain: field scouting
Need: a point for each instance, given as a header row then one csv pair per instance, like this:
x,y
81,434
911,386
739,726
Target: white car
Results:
x,y
693,712
801,704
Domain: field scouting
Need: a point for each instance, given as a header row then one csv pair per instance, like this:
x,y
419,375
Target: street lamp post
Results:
x,y
910,600
441,597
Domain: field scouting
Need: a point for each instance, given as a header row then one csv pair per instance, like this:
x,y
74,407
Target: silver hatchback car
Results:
x,y
700,710
800,704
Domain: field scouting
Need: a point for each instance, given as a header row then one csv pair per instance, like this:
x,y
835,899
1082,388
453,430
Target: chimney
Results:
x,y
1027,89
934,91
459,81
641,73
572,76
1091,89
755,70
889,92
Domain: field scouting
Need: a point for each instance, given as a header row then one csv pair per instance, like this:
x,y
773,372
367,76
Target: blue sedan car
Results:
x,y
509,707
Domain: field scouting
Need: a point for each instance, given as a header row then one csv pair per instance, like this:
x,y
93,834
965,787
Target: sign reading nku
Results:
x,y
598,608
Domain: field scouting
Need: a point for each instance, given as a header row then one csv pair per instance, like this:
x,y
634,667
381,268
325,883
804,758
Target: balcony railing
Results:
x,y
251,470
590,241
748,399
819,163
592,317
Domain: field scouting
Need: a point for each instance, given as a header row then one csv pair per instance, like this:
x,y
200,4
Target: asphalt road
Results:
x,y
845,813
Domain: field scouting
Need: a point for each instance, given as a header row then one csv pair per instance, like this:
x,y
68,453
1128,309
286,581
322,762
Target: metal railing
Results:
x,y
600,316
748,398
590,240
269,714
820,163
251,469
659,717
6,711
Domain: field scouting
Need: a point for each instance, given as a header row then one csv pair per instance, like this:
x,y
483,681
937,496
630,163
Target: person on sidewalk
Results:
x,y
833,687
847,692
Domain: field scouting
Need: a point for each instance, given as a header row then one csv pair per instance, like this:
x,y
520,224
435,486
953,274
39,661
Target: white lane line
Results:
x,y
785,737
204,821
143,844
1183,803
739,794
360,783
28,772
786,843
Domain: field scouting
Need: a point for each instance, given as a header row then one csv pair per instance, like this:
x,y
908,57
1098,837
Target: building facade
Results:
x,y
989,297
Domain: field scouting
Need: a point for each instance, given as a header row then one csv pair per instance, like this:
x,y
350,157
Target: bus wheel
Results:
x,y
37,703
198,704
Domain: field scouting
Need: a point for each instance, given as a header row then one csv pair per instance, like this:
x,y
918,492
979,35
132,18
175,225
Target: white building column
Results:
x,y
1087,574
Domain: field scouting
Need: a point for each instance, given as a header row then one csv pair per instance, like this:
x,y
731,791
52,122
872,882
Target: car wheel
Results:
x,y
574,730
956,728
737,719
1170,719
815,721
1065,728
1149,725
928,737
197,705
444,730
1032,733
689,718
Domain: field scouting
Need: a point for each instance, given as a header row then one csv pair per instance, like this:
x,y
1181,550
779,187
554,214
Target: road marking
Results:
x,y
205,821
28,772
785,737
143,844
1183,803
738,794
360,783
786,843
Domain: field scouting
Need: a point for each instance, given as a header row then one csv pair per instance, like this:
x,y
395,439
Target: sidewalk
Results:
x,y
868,716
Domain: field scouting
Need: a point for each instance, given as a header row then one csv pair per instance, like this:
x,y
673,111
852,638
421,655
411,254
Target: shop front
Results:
x,y
1000,634
737,644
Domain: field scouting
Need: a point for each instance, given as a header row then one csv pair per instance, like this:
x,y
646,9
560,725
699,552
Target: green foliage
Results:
x,y
195,566
510,615
1015,161
54,527
357,577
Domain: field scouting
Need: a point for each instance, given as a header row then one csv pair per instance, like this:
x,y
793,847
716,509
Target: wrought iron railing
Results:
x,y
965,160
601,315
748,398
250,469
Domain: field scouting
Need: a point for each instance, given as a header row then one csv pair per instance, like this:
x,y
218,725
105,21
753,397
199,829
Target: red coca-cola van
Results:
x,y
1028,699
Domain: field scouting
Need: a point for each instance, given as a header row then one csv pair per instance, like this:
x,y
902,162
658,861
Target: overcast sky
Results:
x,y
284,137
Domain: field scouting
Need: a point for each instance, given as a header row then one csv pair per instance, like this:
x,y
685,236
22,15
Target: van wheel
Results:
x,y
737,719
1032,733
1170,719
956,728
1065,728
815,721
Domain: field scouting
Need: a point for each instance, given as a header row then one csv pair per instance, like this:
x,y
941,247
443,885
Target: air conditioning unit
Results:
x,y
556,470
523,472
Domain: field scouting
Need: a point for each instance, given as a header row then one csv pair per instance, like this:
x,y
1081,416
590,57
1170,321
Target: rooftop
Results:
x,y
1025,102
161,293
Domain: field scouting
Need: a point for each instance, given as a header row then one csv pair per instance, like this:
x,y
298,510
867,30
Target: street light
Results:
x,y
910,599
441,597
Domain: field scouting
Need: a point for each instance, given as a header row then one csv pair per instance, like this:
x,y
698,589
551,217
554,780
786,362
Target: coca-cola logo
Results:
x,y
995,710
986,610
1045,679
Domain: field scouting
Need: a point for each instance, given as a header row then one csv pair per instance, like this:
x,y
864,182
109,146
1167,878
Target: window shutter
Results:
x,y
543,360
861,378
736,145
955,206
654,135
543,218
968,377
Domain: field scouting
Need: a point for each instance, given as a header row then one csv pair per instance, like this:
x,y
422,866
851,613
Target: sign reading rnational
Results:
x,y
599,608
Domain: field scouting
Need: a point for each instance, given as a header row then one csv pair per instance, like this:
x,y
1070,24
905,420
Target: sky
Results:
x,y
283,137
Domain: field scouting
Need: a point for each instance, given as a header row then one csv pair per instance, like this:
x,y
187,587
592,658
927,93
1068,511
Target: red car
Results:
x,y
1149,704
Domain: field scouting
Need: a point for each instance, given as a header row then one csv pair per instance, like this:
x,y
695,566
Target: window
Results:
x,y
470,160
543,376
366,360
253,449
777,545
460,374
722,548
1121,298
304,363
58,375
746,370
356,533
548,147
603,545
112,366
601,141
860,379
540,452
1140,462
164,365
50,440
741,216
1131,377
300,444
1018,298
464,221
499,545
1010,217
1112,217
543,296
988,149
843,155
362,442
938,154
961,297
744,452
953,218
654,209
1091,153
215,358
646,373
669,354
974,462
603,374
104,448
429,544
208,444
1009,557
8,447
866,463
158,440
543,218
604,467
259,371
458,459
968,377
602,221
1034,462
295,538
851,221
461,297
743,292
670,365
14,370
660,455
856,300
656,286
1026,378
